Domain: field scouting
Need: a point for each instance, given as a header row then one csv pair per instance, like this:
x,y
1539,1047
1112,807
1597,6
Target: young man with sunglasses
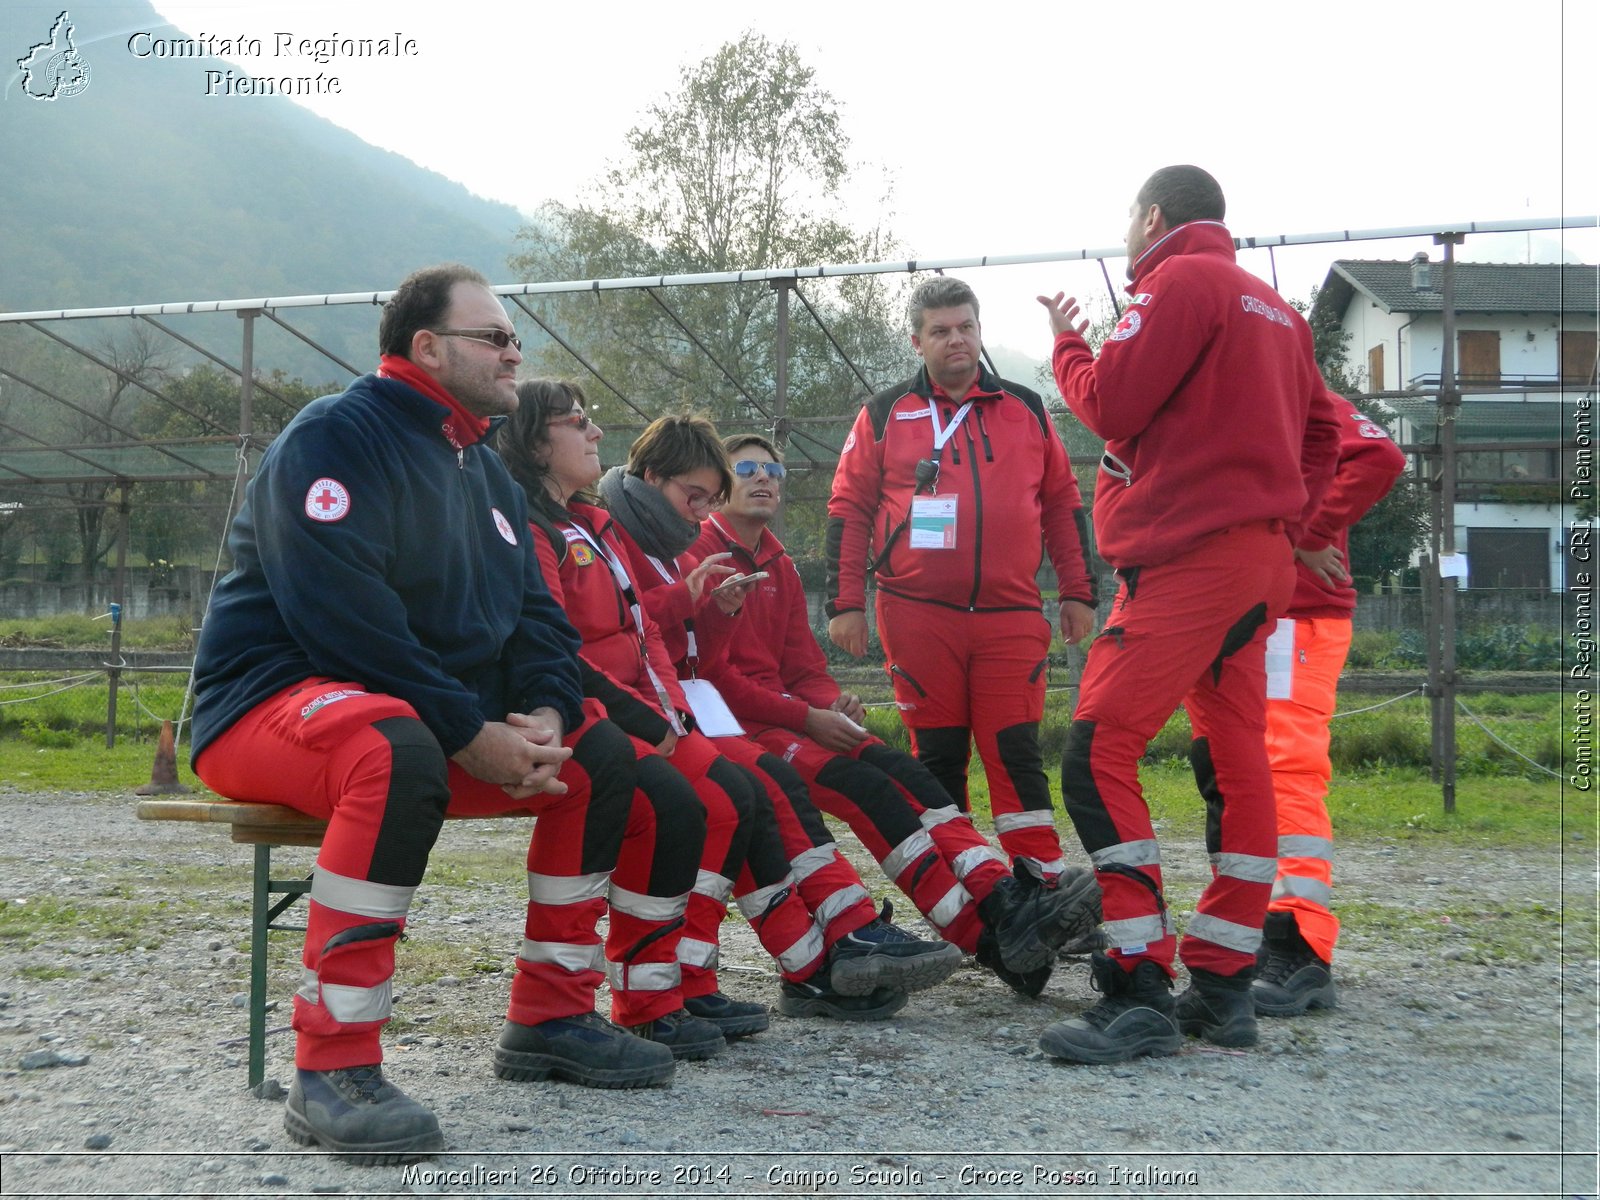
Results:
x,y
385,651
952,485
773,675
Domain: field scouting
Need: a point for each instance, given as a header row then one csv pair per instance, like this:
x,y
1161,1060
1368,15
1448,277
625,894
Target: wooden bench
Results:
x,y
263,826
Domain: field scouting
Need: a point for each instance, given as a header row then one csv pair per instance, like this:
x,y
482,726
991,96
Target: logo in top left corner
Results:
x,y
55,69
327,500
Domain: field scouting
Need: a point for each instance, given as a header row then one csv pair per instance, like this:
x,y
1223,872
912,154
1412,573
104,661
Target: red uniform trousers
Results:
x,y
1297,752
827,884
1190,631
962,676
743,857
363,762
906,821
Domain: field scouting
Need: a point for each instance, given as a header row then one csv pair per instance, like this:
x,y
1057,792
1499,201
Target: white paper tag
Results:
x,y
933,523
712,716
1280,661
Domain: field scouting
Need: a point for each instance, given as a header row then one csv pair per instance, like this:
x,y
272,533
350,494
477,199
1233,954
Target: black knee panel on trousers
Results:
x,y
1205,778
1080,792
946,753
794,787
874,793
605,754
1238,637
1019,754
741,789
413,810
909,773
680,826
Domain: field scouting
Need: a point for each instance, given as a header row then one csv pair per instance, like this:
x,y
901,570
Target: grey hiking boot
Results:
x,y
685,1036
1024,983
1294,979
816,997
586,1049
1132,1017
361,1116
735,1018
1032,920
882,955
1218,1008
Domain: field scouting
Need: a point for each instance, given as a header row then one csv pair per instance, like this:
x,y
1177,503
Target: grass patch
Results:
x,y
75,631
118,925
44,974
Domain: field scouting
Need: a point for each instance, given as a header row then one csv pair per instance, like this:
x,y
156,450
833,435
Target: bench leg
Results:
x,y
260,918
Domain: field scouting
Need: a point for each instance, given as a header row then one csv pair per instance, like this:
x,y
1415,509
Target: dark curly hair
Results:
x,y
521,440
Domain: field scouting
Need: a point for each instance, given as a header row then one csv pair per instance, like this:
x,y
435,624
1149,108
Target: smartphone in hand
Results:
x,y
734,581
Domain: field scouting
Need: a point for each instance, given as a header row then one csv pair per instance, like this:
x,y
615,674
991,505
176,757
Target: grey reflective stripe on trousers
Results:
x,y
1146,852
1224,933
1302,888
949,906
1032,819
840,901
385,901
804,952
974,857
646,907
692,952
347,1004
1303,845
566,889
1252,868
1137,931
754,904
643,977
809,861
713,886
569,956
907,852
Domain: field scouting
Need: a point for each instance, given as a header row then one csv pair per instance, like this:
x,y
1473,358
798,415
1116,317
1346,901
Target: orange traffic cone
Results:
x,y
164,774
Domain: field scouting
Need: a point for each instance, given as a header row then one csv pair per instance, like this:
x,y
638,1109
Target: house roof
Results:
x,y
1479,287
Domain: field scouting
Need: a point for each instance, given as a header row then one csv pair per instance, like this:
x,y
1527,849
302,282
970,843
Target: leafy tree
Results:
x,y
736,169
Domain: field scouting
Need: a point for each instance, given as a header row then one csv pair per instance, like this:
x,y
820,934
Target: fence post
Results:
x,y
114,669
1449,409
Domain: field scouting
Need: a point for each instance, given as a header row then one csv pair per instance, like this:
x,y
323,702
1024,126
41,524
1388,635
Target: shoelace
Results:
x,y
365,1084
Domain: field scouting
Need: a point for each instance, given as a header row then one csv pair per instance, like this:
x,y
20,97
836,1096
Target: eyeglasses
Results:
x,y
746,467
578,420
697,498
498,338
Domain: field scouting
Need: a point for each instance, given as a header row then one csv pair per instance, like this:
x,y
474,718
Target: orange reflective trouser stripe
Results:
x,y
1297,751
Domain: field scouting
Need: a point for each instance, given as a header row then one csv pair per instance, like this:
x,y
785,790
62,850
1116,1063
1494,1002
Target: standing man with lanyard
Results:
x,y
1220,441
954,482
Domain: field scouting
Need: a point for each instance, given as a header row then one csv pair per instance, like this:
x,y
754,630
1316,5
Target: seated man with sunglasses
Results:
x,y
774,677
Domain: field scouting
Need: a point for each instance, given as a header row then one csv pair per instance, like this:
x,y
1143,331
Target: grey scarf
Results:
x,y
647,515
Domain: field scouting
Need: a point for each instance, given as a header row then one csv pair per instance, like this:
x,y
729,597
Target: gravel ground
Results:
x,y
1462,1059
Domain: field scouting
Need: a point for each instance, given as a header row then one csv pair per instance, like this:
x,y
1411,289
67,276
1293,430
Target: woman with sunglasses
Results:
x,y
676,475
551,447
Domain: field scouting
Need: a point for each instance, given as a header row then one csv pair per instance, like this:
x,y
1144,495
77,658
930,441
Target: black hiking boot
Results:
x,y
360,1116
586,1049
685,1036
882,955
1132,1017
735,1018
1031,920
817,997
1294,979
1024,983
1218,1008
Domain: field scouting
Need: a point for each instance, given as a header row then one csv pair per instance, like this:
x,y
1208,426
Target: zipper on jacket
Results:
x,y
977,526
983,430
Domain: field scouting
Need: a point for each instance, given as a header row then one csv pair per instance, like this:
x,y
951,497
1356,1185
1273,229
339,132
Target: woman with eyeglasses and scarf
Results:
x,y
607,564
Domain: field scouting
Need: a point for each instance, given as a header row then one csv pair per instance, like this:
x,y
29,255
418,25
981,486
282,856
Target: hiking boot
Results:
x,y
684,1035
1084,944
1032,920
1218,1008
816,997
882,955
586,1049
1024,983
735,1018
1294,978
361,1116
1132,1017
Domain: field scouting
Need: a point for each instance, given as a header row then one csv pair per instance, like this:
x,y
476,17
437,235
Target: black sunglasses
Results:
x,y
746,467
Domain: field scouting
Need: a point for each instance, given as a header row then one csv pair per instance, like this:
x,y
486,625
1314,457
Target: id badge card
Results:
x,y
1280,661
933,522
712,716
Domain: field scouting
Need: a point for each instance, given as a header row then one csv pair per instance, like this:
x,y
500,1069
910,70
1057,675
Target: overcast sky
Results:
x,y
1008,128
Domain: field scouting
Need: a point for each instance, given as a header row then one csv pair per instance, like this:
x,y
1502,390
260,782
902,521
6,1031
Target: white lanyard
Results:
x,y
619,574
943,433
693,656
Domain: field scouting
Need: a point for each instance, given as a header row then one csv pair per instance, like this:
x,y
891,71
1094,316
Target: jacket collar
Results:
x,y
987,385
1195,237
767,546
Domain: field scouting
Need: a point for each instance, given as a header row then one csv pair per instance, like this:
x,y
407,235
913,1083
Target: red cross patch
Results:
x,y
327,500
504,526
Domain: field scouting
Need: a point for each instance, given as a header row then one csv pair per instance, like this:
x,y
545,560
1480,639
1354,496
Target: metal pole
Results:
x,y
780,399
247,395
114,673
1449,409
1433,617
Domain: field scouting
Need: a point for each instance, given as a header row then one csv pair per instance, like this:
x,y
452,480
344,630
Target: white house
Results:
x,y
1525,363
